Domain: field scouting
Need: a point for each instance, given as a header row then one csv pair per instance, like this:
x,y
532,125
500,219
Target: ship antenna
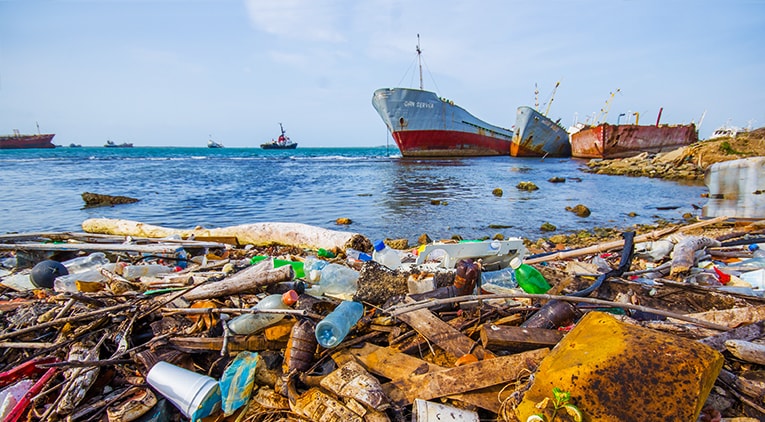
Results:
x,y
419,60
536,96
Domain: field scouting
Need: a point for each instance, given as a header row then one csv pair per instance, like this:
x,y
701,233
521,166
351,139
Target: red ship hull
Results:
x,y
621,141
27,141
448,143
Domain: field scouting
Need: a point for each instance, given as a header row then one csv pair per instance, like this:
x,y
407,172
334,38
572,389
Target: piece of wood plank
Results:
x,y
517,339
747,351
235,343
441,334
745,332
392,364
470,377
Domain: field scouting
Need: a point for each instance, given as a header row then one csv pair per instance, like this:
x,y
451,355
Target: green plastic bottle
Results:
x,y
528,278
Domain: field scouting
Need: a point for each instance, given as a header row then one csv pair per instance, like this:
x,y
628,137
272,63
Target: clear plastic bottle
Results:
x,y
331,330
503,278
133,272
757,252
83,263
529,278
251,323
334,280
386,256
68,283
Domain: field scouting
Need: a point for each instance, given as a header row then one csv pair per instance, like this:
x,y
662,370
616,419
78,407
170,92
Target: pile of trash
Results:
x,y
278,321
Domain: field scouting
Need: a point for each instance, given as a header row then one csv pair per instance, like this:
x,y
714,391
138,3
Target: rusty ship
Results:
x,y
21,141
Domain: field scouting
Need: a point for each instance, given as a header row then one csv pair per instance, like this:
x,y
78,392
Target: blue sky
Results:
x,y
173,72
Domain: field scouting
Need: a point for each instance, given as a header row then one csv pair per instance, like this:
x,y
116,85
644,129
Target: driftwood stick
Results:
x,y
603,247
401,309
204,311
26,345
61,321
246,280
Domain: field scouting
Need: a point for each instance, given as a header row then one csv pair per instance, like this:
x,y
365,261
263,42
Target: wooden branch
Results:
x,y
603,247
258,234
247,280
61,321
402,309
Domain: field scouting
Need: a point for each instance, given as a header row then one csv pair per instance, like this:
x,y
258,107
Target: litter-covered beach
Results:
x,y
165,324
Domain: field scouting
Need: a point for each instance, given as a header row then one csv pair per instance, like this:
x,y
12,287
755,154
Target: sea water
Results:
x,y
383,194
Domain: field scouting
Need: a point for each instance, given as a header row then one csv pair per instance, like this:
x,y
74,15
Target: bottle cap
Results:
x,y
379,245
290,297
516,262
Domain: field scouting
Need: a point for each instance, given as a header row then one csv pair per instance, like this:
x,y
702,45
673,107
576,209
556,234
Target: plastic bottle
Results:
x,y
133,272
757,252
334,280
250,323
331,330
297,266
528,278
82,263
386,256
503,278
68,283
325,253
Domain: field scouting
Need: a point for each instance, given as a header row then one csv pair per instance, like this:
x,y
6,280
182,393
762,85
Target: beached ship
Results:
x,y
628,140
111,144
19,141
536,135
213,144
425,125
283,142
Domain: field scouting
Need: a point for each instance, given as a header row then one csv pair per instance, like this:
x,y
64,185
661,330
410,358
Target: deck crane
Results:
x,y
552,97
604,110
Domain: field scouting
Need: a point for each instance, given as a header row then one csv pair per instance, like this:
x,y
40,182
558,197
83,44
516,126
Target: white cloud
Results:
x,y
311,20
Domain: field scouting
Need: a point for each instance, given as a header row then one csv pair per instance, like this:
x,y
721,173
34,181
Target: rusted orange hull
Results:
x,y
620,141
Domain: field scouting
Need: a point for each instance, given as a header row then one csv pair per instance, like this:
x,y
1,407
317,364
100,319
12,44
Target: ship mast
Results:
x,y
419,60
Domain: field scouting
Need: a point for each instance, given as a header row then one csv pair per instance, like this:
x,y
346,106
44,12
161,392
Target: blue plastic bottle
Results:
x,y
331,330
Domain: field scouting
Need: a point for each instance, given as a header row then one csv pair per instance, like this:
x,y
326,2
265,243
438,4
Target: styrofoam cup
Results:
x,y
195,395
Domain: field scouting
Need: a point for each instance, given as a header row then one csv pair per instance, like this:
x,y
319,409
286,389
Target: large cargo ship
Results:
x,y
536,135
19,141
621,141
425,125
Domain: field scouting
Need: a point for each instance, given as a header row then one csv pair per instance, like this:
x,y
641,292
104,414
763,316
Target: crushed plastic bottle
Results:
x,y
134,272
253,322
334,280
83,263
756,251
69,282
503,278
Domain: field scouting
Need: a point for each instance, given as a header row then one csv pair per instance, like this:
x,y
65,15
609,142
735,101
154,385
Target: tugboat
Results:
x,y
283,142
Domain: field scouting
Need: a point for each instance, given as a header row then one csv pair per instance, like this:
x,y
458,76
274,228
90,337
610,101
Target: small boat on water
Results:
x,y
19,141
111,144
213,144
425,125
628,140
283,142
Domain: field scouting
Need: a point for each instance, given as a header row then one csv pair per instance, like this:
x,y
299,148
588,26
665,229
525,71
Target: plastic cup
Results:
x,y
195,395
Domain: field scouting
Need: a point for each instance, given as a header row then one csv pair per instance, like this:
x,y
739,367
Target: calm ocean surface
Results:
x,y
383,194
